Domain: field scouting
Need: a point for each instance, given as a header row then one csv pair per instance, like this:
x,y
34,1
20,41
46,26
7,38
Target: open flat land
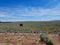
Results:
x,y
11,33
30,27
25,39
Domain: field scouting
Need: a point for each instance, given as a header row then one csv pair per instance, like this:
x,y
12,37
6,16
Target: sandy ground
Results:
x,y
25,39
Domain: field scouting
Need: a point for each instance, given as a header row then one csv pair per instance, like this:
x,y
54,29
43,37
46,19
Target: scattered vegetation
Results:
x,y
28,27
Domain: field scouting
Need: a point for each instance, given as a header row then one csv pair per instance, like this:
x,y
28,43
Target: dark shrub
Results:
x,y
21,25
59,34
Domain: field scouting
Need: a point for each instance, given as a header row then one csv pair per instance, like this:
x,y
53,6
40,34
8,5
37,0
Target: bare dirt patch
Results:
x,y
25,39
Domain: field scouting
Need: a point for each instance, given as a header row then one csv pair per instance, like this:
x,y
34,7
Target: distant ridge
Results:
x,y
57,20
29,21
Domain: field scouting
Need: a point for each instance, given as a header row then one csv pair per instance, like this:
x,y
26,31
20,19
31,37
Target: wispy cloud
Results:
x,y
32,13
37,11
3,15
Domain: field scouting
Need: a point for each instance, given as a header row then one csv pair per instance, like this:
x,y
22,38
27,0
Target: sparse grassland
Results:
x,y
30,27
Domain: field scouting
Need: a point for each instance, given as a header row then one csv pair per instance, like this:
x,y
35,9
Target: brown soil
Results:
x,y
25,39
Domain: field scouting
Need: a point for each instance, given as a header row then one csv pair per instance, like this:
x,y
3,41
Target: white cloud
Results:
x,y
20,13
2,15
37,12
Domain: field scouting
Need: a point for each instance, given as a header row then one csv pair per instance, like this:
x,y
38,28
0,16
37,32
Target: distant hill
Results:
x,y
29,21
57,20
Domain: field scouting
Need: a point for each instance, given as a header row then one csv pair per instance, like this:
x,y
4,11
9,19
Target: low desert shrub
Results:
x,y
49,41
45,39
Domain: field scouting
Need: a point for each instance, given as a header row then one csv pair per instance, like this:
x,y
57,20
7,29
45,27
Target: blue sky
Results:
x,y
29,10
